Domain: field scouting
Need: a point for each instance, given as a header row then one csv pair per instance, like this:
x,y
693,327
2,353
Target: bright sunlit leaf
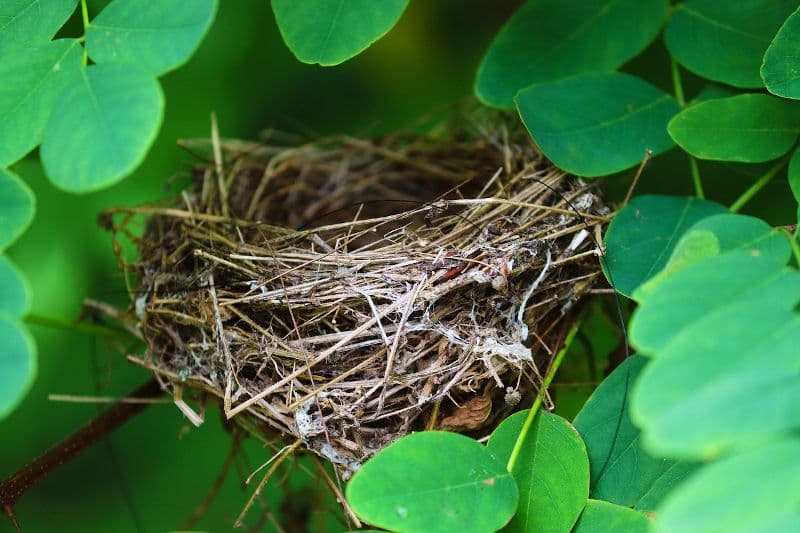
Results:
x,y
158,36
17,206
17,363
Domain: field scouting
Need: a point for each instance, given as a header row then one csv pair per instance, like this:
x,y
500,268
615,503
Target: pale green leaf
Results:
x,y
158,36
108,118
26,23
15,293
781,68
34,78
17,363
17,206
604,517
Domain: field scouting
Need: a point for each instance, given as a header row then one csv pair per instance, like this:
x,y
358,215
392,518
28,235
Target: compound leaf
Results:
x,y
749,128
434,481
643,234
546,40
725,41
552,471
158,36
17,363
108,118
17,206
599,123
34,77
26,23
329,32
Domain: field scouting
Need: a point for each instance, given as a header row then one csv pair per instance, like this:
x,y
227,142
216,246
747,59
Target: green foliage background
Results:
x,y
243,72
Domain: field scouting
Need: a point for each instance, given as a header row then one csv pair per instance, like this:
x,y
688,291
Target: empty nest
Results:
x,y
346,292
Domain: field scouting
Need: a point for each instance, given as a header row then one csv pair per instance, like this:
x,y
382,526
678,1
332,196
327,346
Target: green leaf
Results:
x,y
17,206
17,363
679,300
794,179
15,293
434,481
597,124
158,36
108,118
725,41
679,471
643,234
26,23
748,128
706,392
720,234
739,493
546,40
622,472
605,517
552,471
34,77
329,32
781,68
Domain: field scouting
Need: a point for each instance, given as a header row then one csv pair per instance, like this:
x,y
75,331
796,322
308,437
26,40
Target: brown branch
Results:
x,y
13,487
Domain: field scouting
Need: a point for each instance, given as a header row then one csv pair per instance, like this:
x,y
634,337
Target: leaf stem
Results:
x,y
757,186
540,396
83,327
85,18
679,96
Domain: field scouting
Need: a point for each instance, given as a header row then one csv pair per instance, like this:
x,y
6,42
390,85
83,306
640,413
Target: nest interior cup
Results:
x,y
345,292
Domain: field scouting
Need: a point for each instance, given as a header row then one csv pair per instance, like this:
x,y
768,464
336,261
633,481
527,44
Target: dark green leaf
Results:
x,y
33,79
781,68
108,118
740,493
642,235
26,23
17,363
725,41
329,32
15,294
706,392
550,39
597,124
552,471
621,471
17,205
434,481
158,36
748,128
605,517
679,300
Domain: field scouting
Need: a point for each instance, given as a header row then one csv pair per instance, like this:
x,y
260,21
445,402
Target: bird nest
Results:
x,y
346,292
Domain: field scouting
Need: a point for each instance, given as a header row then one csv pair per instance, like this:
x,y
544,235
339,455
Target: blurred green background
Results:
x,y
152,473
161,468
